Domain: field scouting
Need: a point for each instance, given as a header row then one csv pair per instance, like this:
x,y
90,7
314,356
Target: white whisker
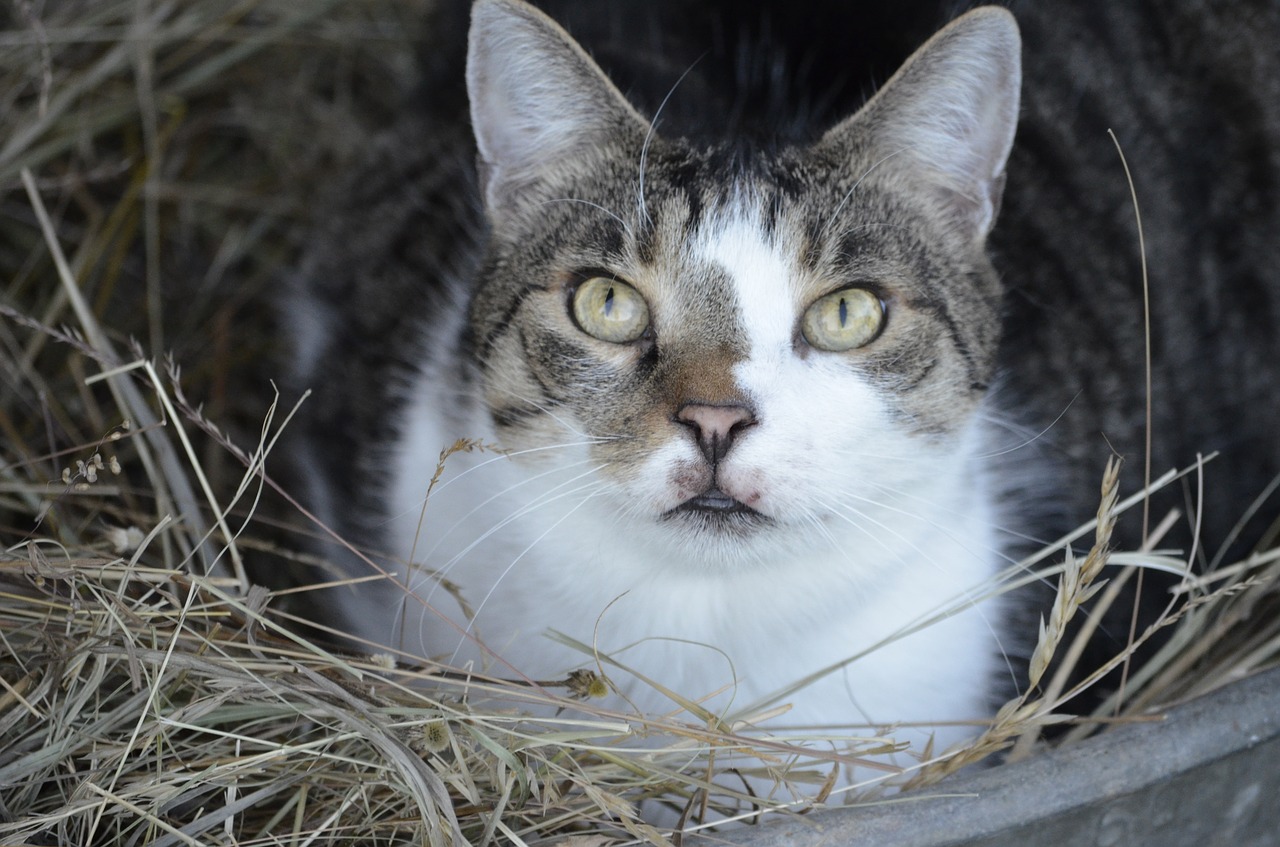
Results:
x,y
465,519
497,582
1027,440
523,509
648,139
625,226
835,214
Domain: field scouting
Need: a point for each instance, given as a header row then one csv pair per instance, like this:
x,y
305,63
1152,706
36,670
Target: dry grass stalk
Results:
x,y
147,704
1024,715
144,700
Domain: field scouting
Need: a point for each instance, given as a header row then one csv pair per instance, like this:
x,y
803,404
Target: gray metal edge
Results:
x,y
981,804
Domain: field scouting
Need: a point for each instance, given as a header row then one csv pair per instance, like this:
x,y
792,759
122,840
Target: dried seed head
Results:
x,y
434,736
123,540
386,661
587,685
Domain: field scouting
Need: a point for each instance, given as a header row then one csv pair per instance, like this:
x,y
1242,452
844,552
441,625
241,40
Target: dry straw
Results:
x,y
152,160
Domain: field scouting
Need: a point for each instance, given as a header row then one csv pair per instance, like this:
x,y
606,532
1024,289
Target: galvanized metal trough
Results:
x,y
1208,774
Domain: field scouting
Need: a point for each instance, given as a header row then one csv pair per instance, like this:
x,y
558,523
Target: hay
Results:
x,y
148,693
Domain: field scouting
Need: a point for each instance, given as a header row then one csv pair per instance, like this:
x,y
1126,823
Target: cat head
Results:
x,y
742,343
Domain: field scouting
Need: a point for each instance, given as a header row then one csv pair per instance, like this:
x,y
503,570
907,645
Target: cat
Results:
x,y
758,386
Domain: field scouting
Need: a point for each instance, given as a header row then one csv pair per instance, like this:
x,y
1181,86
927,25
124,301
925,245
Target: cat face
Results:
x,y
745,346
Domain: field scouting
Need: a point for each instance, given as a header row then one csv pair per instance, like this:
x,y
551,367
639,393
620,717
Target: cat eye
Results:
x,y
610,310
843,320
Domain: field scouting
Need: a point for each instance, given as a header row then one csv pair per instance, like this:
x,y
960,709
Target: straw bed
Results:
x,y
157,165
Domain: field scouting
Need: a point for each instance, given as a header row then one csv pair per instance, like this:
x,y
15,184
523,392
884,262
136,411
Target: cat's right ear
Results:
x,y
538,101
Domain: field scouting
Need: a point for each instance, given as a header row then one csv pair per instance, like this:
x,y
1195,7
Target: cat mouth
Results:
x,y
718,508
713,500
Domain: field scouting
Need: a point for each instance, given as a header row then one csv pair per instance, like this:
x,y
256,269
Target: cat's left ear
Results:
x,y
946,119
538,101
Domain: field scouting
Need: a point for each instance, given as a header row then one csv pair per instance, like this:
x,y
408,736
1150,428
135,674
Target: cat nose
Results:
x,y
715,427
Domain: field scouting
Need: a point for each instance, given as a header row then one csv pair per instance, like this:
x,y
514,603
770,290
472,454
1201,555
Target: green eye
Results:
x,y
843,320
610,310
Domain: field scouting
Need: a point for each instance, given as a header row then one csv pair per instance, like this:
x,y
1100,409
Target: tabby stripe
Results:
x,y
811,251
913,381
772,211
547,391
509,416
504,323
939,311
645,232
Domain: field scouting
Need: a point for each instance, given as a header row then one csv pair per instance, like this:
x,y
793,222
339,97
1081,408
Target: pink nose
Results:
x,y
715,427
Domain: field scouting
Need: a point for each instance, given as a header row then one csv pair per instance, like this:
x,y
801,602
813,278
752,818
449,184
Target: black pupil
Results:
x,y
844,311
608,303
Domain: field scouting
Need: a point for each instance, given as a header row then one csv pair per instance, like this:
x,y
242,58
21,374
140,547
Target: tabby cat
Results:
x,y
756,395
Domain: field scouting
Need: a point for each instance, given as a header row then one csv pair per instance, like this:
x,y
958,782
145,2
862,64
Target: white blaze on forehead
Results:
x,y
761,277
